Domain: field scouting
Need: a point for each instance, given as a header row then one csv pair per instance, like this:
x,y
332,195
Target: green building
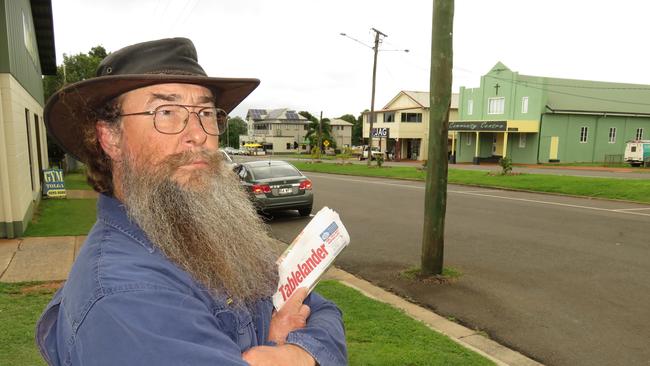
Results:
x,y
26,54
534,119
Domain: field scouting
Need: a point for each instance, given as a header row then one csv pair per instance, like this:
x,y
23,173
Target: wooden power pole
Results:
x,y
435,200
372,101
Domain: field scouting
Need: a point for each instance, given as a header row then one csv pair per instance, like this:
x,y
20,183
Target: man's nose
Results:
x,y
194,132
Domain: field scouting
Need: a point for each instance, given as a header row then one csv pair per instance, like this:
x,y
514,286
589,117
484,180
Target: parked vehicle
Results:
x,y
275,185
376,152
231,150
637,152
227,159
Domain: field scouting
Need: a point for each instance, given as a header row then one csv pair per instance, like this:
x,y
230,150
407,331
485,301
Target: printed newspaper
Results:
x,y
310,254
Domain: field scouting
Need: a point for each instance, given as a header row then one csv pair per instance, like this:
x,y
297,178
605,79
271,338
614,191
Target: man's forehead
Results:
x,y
171,92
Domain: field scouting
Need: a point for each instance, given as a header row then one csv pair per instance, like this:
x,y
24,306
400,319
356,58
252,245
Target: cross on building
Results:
x,y
496,88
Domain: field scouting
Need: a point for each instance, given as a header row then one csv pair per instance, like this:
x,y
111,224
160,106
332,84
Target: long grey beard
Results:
x,y
206,226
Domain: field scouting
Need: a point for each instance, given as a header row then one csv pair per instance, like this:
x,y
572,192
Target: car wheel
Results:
x,y
305,211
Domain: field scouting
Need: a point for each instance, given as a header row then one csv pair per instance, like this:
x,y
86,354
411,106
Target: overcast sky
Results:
x,y
295,48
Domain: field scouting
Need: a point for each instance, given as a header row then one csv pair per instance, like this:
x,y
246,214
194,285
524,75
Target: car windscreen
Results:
x,y
274,171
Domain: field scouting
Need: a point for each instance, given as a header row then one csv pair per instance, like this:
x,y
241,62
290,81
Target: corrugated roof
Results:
x,y
422,98
339,122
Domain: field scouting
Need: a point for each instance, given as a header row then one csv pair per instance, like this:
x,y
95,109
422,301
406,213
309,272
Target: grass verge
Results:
x,y
377,334
58,217
631,190
20,306
76,181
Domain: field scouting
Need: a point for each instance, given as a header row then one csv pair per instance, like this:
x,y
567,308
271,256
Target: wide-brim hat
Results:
x,y
172,60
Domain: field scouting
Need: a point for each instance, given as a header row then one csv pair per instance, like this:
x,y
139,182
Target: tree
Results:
x,y
236,126
74,68
357,130
313,130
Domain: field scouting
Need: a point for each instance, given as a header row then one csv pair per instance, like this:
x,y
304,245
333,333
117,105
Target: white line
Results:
x,y
476,193
633,209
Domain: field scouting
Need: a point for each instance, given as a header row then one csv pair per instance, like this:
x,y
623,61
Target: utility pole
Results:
x,y
320,132
372,101
435,199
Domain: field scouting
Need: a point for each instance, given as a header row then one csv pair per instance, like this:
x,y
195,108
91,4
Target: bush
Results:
x,y
380,160
506,165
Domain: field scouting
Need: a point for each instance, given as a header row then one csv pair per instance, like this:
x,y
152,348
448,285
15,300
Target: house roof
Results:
x,y
275,115
571,95
421,98
44,29
339,122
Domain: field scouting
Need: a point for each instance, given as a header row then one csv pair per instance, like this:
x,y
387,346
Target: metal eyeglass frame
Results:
x,y
186,107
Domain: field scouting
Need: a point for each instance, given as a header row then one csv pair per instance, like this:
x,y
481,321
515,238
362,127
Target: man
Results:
x,y
178,269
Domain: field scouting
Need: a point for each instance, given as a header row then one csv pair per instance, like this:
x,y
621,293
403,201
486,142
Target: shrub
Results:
x,y
506,165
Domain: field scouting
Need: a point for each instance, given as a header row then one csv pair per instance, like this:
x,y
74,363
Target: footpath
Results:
x,y
50,259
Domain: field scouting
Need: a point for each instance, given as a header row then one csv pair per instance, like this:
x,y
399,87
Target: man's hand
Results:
x,y
293,315
289,354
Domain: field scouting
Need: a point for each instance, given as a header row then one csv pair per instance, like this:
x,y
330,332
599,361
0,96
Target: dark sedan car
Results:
x,y
275,185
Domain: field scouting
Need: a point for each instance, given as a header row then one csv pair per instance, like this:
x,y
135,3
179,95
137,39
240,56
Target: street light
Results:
x,y
374,77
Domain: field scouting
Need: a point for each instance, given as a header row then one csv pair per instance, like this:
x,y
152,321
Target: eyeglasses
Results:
x,y
171,119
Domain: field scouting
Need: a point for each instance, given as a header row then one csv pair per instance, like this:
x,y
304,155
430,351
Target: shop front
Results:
x,y
489,141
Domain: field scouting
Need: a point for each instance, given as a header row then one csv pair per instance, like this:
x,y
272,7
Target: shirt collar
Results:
x,y
113,212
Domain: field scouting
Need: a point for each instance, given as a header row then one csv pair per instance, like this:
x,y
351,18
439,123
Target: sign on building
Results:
x,y
478,126
53,185
380,132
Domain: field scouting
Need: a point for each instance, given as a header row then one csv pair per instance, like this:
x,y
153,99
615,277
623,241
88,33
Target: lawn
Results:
x,y
58,217
377,334
76,181
625,189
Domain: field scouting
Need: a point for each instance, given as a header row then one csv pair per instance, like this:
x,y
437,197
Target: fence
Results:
x,y
612,160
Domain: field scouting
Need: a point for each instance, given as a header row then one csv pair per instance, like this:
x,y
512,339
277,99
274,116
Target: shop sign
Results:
x,y
380,132
478,126
53,185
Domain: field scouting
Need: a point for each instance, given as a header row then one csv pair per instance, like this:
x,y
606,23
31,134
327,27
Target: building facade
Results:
x,y
401,127
277,130
26,53
341,132
535,119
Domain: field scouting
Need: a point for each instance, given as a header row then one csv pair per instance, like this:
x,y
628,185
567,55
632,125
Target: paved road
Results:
x,y
622,173
563,280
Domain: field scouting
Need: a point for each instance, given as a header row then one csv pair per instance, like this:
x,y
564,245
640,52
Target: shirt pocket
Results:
x,y
238,326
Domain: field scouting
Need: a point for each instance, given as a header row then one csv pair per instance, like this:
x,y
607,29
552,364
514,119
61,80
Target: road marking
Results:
x,y
482,194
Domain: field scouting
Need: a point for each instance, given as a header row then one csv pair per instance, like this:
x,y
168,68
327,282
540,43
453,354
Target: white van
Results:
x,y
637,152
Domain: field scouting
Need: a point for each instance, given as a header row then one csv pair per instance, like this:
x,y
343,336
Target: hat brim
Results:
x,y
70,108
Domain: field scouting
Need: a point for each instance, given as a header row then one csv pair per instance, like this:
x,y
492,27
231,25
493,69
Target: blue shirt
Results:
x,y
125,303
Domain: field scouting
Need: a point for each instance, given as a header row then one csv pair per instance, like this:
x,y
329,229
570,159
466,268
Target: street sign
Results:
x,y
326,143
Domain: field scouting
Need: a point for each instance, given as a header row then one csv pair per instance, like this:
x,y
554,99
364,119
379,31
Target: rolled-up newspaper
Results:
x,y
310,254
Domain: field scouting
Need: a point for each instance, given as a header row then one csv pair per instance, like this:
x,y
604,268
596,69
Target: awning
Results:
x,y
252,145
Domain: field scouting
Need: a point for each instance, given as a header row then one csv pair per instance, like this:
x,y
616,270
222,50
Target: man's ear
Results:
x,y
109,140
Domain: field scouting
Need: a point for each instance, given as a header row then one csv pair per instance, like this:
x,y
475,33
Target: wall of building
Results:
x,y
21,137
18,47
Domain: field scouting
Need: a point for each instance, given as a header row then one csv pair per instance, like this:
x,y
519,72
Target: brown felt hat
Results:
x,y
171,60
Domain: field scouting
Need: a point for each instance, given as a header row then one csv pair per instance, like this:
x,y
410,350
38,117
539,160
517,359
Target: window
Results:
x,y
389,117
639,133
411,117
522,140
496,105
470,107
583,134
524,105
612,135
306,127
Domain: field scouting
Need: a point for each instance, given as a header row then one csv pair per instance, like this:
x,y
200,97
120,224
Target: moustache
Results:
x,y
213,159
